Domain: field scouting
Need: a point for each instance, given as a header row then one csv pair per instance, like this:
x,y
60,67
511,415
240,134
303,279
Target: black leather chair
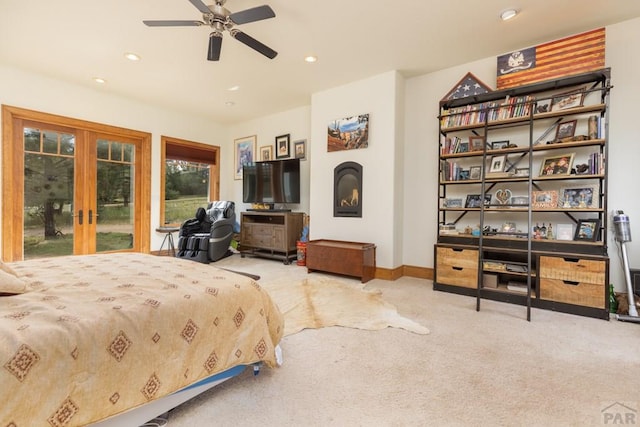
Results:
x,y
207,237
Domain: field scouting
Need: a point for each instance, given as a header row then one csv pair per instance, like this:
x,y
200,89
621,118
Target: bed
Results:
x,y
96,336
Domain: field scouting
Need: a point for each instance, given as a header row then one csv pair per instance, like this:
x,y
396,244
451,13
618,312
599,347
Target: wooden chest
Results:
x,y
348,258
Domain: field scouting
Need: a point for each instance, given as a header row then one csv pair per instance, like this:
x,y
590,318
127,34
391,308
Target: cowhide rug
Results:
x,y
320,302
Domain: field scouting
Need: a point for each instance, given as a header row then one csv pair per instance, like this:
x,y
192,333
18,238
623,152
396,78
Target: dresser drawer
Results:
x,y
573,269
579,293
458,267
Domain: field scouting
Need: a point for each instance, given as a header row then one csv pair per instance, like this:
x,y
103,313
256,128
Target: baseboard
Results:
x,y
404,270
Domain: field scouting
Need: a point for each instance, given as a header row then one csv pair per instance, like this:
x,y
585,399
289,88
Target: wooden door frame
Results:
x,y
12,201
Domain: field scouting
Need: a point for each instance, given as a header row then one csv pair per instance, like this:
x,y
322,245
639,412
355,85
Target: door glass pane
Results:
x,y
186,188
116,198
48,194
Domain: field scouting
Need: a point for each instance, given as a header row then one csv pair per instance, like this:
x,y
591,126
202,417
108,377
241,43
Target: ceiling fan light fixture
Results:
x,y
508,14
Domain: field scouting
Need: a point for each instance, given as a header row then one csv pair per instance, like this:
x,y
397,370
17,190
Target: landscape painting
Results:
x,y
349,133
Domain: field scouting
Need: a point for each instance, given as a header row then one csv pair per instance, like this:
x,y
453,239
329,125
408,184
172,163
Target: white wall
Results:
x,y
377,96
35,92
295,122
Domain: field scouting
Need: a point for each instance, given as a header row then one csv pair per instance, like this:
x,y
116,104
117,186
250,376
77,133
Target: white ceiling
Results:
x,y
76,40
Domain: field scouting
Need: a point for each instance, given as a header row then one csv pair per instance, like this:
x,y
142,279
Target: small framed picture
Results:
x,y
564,232
300,149
463,147
582,197
557,165
522,171
463,174
474,200
587,230
567,100
282,146
497,164
520,200
452,203
266,152
244,154
475,172
544,199
543,106
566,129
499,145
476,143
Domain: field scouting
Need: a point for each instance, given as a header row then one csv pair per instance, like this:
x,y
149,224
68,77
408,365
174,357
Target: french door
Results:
x,y
72,187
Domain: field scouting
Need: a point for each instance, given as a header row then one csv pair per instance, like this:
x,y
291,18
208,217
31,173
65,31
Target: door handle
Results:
x,y
80,216
90,216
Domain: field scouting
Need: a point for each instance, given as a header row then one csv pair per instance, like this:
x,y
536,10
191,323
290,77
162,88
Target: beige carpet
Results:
x,y
318,301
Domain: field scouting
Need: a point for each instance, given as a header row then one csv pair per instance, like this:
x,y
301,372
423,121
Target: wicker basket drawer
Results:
x,y
579,293
573,269
458,267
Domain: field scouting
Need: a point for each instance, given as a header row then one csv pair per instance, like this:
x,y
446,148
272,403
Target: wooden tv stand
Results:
x,y
347,258
270,234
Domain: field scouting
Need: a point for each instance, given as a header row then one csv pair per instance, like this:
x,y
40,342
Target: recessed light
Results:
x,y
132,56
99,80
233,88
311,58
508,14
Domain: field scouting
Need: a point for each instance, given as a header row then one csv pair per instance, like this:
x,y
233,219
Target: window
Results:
x,y
190,179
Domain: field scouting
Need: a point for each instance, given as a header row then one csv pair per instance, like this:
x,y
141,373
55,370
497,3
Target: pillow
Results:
x,y
10,284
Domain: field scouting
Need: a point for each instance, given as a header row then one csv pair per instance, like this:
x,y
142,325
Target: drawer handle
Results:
x,y
569,282
457,268
457,249
572,259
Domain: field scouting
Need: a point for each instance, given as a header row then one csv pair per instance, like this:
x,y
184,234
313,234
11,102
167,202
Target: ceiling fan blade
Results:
x,y
173,23
215,46
253,43
200,6
251,15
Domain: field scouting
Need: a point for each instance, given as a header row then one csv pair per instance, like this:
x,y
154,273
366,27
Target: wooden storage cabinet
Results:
x,y
271,234
347,258
573,280
457,267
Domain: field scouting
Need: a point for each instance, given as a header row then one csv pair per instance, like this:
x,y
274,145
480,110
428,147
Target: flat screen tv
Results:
x,y
270,182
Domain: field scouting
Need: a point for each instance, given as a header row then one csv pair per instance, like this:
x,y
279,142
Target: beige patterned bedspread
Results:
x,y
101,334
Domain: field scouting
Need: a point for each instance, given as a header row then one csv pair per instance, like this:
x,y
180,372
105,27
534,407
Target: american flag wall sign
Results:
x,y
571,55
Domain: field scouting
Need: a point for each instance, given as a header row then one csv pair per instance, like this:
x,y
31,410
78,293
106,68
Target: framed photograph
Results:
x,y
463,174
564,232
522,171
452,203
543,106
587,230
475,172
266,153
282,146
300,149
568,100
476,143
474,200
463,147
582,197
520,200
497,164
544,199
557,165
244,154
566,129
499,145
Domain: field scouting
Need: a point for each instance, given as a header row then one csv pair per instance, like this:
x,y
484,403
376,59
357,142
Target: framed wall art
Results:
x,y
282,146
300,149
266,153
587,230
244,154
349,133
557,165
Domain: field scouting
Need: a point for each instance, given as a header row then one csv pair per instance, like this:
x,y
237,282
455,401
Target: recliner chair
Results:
x,y
207,237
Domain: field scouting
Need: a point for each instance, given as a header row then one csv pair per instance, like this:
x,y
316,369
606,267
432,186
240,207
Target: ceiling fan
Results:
x,y
220,19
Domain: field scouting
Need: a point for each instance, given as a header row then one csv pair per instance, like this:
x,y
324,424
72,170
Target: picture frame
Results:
x,y
266,153
497,164
522,172
544,199
452,203
463,147
580,197
519,200
499,145
474,200
463,174
244,154
475,172
300,149
476,143
571,99
564,232
587,230
566,129
543,106
557,165
283,146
